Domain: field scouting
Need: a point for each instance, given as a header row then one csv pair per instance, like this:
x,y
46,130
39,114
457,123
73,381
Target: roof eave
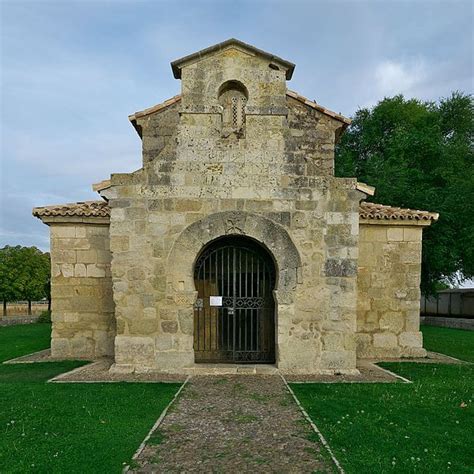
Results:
x,y
314,105
365,188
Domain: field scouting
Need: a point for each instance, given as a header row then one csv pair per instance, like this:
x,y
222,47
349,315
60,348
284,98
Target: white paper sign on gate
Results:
x,y
215,300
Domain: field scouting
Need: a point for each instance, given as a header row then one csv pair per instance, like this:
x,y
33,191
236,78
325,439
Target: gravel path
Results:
x,y
239,423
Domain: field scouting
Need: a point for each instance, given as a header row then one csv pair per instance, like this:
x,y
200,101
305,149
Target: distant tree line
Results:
x,y
420,155
25,275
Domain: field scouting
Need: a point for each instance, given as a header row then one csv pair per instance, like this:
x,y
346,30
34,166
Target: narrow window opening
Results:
x,y
233,99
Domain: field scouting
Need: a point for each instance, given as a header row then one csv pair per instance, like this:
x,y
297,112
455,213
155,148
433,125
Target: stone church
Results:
x,y
234,242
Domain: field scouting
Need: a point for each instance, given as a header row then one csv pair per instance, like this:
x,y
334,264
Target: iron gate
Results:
x,y
234,311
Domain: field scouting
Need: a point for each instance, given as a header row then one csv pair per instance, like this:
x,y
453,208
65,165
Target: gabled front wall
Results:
x,y
279,174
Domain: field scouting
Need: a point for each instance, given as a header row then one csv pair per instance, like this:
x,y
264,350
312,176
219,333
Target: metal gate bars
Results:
x,y
234,312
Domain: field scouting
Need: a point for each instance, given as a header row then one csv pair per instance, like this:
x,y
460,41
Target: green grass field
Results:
x,y
457,343
73,428
427,426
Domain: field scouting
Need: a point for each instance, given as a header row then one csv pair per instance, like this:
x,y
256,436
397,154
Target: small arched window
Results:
x,y
233,99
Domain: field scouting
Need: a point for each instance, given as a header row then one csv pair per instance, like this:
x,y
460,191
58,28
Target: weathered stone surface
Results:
x,y
262,170
388,305
82,301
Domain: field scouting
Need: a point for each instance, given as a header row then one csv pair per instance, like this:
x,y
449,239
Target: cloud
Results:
x,y
73,71
399,77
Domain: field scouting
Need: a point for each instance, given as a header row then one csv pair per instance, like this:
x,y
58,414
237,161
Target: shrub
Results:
x,y
45,317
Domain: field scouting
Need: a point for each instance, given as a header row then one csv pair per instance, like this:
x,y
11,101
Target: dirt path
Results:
x,y
234,424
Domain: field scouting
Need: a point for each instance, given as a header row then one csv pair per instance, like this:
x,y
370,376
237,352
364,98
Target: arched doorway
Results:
x,y
234,314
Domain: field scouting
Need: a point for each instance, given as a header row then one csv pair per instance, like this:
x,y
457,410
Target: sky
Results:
x,y
72,71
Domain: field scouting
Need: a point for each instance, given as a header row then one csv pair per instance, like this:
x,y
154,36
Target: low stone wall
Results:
x,y
456,323
14,320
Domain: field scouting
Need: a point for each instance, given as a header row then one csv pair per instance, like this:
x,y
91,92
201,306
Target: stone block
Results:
x,y
60,348
169,326
385,340
65,256
134,350
411,339
119,243
338,360
82,347
86,256
188,205
164,342
186,321
67,270
412,234
95,271
63,230
340,268
80,270
395,234
143,327
136,273
392,321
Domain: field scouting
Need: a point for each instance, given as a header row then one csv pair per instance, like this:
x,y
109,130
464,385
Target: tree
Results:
x,y
420,155
9,276
24,275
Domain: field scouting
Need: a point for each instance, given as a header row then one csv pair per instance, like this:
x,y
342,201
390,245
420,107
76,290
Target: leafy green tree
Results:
x,y
24,275
420,155
9,276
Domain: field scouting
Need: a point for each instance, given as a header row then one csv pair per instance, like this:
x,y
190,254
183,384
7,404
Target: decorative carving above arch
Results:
x,y
194,238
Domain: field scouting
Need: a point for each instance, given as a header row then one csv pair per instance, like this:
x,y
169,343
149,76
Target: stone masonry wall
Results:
x,y
81,290
197,185
388,305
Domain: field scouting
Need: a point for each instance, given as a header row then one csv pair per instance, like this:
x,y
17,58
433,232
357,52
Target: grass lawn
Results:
x,y
68,427
457,343
16,341
427,426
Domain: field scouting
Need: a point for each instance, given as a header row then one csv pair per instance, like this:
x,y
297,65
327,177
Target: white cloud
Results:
x,y
399,77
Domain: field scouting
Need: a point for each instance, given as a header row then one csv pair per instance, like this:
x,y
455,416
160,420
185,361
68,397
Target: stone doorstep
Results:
x,y
232,369
203,369
227,369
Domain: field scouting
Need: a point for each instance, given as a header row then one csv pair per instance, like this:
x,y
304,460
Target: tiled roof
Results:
x,y
79,209
318,107
370,210
155,108
367,210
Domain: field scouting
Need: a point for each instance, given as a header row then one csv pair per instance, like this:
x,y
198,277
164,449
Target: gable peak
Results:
x,y
231,43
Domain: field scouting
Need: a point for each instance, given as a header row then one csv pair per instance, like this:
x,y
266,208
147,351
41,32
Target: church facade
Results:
x,y
234,242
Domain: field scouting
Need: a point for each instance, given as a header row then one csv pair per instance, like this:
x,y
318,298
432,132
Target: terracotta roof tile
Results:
x,y
367,210
318,107
84,209
155,108
370,210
